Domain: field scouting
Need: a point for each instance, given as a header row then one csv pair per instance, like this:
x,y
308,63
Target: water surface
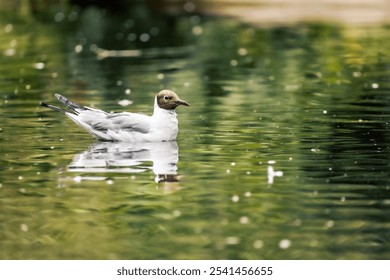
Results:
x,y
283,154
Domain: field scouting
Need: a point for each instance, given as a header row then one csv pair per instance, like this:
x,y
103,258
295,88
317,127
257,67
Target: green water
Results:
x,y
283,154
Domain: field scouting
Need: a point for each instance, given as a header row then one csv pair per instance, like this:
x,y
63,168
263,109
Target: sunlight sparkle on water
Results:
x,y
248,194
284,244
39,65
24,227
78,48
197,30
125,102
232,240
329,224
8,28
258,244
244,220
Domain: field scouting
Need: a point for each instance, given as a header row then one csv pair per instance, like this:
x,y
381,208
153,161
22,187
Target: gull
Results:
x,y
127,127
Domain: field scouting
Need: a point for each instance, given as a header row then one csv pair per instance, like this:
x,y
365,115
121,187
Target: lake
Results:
x,y
283,153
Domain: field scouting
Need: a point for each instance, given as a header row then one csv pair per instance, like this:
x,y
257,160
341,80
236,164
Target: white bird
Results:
x,y
127,127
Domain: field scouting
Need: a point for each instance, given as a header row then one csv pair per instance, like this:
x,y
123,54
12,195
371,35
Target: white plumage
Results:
x,y
127,127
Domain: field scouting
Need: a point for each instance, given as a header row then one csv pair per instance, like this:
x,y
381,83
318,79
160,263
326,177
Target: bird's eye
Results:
x,y
166,97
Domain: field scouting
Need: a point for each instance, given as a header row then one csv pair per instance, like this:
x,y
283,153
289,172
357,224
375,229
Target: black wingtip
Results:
x,y
52,107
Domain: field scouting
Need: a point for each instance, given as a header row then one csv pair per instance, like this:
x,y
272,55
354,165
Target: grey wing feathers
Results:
x,y
130,121
102,121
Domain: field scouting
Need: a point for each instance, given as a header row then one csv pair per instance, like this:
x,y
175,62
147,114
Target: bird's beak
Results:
x,y
182,102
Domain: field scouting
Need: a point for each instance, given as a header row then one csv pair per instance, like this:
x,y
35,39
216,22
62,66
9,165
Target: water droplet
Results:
x,y
247,194
24,227
329,224
235,198
242,51
189,7
125,102
258,244
132,37
128,91
284,244
144,37
233,62
78,48
244,220
58,17
72,16
232,240
39,65
110,182
8,28
154,31
10,52
374,85
197,30
129,23
176,213
13,43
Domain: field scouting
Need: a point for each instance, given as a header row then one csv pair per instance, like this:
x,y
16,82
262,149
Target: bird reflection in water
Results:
x,y
131,158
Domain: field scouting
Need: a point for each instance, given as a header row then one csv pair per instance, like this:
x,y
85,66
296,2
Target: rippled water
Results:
x,y
283,154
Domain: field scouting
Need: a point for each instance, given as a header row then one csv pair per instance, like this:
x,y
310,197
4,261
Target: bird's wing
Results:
x,y
102,121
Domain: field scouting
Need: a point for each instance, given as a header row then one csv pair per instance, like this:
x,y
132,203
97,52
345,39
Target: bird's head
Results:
x,y
168,100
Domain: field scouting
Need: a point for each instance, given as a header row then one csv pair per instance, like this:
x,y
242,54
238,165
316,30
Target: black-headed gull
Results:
x,y
127,127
